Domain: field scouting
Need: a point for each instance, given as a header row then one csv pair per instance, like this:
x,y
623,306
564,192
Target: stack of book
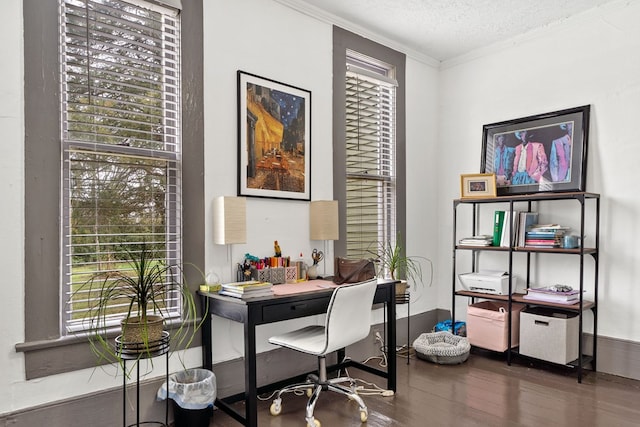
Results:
x,y
249,289
481,240
545,236
551,294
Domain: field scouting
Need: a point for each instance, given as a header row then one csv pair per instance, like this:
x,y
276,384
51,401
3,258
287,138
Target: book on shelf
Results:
x,y
498,220
545,235
550,294
542,234
548,228
526,220
542,243
480,240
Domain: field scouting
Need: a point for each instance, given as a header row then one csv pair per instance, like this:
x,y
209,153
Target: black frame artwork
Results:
x,y
274,139
541,153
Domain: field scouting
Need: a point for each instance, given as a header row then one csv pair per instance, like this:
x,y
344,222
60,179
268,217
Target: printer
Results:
x,y
493,282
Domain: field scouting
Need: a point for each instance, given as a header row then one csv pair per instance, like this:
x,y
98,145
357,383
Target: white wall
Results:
x,y
276,42
589,59
256,36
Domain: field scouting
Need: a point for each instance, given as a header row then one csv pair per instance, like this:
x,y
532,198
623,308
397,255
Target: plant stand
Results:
x,y
137,352
405,298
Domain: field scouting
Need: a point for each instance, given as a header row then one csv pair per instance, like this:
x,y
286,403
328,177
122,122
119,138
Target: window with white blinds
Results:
x,y
120,95
370,155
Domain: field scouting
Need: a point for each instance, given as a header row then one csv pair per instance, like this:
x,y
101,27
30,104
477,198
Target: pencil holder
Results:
x,y
291,274
277,275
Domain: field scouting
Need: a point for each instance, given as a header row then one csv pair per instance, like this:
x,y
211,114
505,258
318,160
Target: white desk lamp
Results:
x,y
323,224
230,224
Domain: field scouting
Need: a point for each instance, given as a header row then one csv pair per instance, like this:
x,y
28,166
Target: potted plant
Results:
x,y
394,263
142,292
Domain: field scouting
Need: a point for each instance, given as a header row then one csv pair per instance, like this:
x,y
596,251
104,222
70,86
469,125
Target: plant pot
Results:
x,y
134,330
402,292
401,287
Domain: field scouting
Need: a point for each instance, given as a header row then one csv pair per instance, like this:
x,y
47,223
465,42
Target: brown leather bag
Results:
x,y
353,270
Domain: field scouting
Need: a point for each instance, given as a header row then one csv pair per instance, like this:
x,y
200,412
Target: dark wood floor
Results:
x,y
484,391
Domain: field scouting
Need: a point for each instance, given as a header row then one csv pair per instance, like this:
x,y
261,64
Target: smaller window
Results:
x,y
370,137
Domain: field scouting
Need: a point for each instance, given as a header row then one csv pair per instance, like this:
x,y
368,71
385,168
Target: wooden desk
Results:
x,y
259,311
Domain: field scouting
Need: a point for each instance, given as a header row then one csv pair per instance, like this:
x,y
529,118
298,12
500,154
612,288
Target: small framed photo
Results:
x,y
477,185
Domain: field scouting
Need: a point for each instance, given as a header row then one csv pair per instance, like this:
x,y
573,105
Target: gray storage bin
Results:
x,y
549,334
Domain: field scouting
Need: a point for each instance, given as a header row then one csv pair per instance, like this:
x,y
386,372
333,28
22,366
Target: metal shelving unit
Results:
x,y
583,198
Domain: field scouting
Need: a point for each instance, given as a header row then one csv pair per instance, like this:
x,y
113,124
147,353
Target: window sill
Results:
x,y
67,354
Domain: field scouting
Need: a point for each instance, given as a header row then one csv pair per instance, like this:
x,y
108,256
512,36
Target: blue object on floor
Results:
x,y
445,325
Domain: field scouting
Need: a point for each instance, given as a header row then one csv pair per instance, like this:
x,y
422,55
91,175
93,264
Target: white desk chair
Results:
x,y
348,321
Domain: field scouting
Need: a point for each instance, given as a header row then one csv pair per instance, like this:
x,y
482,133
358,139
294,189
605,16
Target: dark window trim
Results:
x,y
46,353
343,40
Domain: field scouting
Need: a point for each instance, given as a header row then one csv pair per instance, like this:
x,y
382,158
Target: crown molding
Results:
x,y
324,16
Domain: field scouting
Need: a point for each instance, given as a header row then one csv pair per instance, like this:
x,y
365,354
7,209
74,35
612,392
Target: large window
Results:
x,y
111,154
369,144
121,142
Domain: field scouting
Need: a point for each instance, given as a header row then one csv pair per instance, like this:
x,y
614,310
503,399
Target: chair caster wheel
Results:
x,y
364,415
316,423
309,392
276,407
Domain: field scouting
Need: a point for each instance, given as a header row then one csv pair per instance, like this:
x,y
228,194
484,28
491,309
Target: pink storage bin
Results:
x,y
487,324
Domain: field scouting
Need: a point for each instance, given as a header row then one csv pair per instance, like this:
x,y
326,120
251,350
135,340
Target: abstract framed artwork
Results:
x,y
477,185
274,139
541,153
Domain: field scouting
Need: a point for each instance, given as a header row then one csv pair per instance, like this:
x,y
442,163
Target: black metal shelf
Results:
x,y
519,298
512,297
529,249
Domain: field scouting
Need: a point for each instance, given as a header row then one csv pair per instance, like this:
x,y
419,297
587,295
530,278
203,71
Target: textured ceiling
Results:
x,y
445,29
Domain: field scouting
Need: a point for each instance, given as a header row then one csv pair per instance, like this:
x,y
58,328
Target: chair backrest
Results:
x,y
349,314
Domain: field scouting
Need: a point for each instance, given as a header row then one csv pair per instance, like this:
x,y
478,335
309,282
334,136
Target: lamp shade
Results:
x,y
229,220
323,220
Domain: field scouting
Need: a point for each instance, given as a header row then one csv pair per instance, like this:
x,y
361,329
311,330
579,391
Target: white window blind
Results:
x,y
370,156
120,94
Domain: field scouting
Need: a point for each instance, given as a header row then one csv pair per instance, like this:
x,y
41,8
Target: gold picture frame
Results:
x,y
477,185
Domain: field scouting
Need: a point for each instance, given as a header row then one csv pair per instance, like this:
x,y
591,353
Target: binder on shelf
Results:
x,y
498,220
510,221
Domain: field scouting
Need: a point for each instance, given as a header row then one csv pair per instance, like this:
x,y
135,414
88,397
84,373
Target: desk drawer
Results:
x,y
293,310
